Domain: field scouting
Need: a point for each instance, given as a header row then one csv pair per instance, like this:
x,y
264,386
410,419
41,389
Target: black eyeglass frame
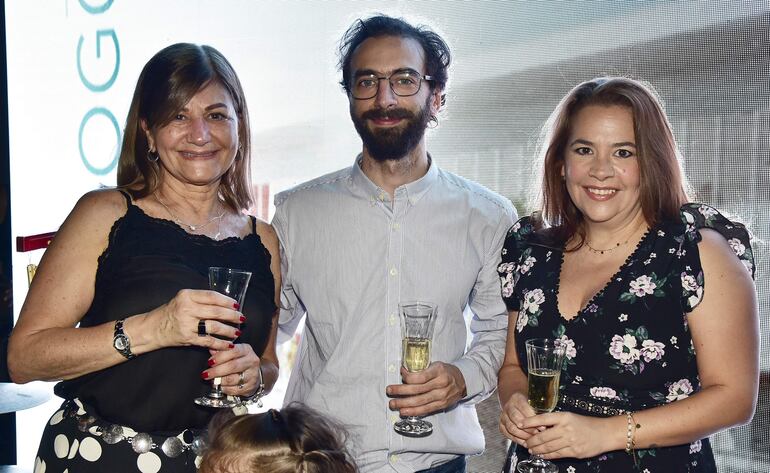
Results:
x,y
379,78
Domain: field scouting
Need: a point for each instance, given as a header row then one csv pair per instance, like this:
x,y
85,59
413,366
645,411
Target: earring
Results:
x,y
152,156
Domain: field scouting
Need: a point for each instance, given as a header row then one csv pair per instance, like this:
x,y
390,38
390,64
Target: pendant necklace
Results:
x,y
607,250
192,227
601,252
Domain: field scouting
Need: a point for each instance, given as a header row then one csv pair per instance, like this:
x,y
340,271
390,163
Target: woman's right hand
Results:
x,y
514,411
177,321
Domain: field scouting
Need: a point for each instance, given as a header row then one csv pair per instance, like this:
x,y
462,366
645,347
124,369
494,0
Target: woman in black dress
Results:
x,y
651,296
120,308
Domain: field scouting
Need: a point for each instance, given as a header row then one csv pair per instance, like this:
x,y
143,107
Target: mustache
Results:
x,y
382,114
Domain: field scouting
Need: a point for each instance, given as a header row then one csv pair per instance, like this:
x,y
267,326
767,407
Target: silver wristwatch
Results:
x,y
121,342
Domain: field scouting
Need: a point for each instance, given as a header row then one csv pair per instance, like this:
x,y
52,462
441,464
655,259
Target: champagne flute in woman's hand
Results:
x,y
232,283
544,361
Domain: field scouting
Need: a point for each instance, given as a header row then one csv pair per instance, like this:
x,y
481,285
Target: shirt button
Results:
x,y
392,320
393,271
393,458
392,368
396,226
382,196
393,419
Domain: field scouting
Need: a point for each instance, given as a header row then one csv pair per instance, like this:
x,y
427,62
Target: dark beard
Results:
x,y
392,143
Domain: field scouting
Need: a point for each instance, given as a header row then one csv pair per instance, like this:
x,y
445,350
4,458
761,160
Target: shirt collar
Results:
x,y
414,190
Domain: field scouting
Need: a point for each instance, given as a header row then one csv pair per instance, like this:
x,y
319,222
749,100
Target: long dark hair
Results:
x,y
663,186
167,82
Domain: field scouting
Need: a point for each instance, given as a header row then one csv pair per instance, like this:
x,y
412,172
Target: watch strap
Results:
x,y
125,350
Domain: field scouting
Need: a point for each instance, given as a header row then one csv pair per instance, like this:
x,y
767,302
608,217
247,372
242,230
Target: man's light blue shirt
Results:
x,y
349,255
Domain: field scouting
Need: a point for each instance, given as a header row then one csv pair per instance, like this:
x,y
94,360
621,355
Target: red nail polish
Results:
x,y
231,346
205,375
237,333
243,318
212,362
236,306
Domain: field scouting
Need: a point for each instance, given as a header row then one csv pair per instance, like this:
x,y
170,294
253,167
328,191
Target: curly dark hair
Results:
x,y
437,54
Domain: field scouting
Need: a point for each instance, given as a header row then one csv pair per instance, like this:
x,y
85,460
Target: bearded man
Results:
x,y
394,227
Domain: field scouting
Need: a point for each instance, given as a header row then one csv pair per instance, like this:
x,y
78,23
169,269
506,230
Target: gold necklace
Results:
x,y
608,250
192,227
601,252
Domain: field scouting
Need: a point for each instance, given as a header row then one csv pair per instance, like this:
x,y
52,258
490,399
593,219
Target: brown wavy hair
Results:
x,y
294,439
167,82
663,186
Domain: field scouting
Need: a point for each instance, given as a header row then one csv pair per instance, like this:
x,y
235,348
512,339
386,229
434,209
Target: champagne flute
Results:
x,y
232,283
417,322
544,362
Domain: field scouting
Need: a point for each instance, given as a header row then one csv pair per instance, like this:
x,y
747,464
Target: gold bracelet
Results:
x,y
631,427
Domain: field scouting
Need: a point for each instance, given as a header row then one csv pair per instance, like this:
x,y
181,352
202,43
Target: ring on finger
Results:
x,y
202,328
241,379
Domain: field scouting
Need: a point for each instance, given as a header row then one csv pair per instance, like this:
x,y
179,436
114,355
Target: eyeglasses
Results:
x,y
403,84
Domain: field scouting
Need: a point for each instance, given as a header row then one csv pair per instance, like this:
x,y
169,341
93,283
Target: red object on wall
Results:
x,y
34,242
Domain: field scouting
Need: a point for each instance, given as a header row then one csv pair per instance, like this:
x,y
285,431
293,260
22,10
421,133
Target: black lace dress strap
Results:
x,y
146,263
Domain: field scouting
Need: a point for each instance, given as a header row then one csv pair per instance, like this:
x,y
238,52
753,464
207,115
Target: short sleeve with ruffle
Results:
x,y
516,258
695,217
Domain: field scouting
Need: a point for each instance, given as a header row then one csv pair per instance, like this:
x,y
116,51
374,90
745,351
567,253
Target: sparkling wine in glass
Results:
x,y
417,322
232,283
544,362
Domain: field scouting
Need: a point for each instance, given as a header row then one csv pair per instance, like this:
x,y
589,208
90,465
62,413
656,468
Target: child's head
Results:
x,y
295,439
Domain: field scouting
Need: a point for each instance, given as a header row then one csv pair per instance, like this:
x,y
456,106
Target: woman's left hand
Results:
x,y
238,368
569,435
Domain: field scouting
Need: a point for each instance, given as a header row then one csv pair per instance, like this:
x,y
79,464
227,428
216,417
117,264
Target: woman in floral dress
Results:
x,y
652,297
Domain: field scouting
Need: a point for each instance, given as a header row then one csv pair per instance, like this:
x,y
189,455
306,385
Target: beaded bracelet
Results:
x,y
630,433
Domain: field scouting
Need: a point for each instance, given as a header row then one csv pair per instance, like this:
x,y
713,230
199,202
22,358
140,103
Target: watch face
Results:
x,y
121,342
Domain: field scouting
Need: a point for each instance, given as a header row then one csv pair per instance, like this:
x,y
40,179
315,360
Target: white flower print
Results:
x,y
623,317
694,300
570,469
672,250
679,390
507,285
661,233
603,392
623,348
504,251
652,350
688,218
653,255
569,347
506,281
673,340
522,320
578,379
689,283
532,301
527,264
695,446
738,248
707,212
642,286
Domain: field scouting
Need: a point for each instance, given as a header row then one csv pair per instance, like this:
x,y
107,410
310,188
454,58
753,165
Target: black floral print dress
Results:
x,y
629,349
